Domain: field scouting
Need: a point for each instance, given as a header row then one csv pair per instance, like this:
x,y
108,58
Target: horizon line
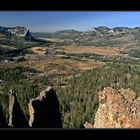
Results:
x,y
67,29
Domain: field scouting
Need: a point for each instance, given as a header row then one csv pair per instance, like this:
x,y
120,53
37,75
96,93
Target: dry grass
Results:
x,y
56,65
39,50
63,66
96,50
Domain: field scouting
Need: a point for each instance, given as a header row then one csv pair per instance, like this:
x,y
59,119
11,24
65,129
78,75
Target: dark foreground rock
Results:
x,y
44,110
16,116
2,118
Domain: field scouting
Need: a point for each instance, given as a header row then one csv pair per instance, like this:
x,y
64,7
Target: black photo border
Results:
x,y
69,5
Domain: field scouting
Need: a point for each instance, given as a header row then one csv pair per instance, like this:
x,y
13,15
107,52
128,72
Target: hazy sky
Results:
x,y
38,21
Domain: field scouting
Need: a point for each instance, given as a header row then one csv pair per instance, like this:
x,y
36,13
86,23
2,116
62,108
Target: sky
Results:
x,y
51,21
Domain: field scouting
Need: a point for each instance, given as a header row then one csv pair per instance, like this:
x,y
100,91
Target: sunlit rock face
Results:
x,y
117,109
17,31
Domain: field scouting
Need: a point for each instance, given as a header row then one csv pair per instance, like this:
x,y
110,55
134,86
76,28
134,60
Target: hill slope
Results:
x,y
101,36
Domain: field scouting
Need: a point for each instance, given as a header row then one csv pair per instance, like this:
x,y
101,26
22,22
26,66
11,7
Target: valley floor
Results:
x,y
77,74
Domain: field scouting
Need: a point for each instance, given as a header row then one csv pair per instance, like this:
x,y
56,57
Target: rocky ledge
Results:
x,y
117,109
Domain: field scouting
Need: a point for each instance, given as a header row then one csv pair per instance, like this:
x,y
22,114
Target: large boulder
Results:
x,y
44,110
16,116
117,109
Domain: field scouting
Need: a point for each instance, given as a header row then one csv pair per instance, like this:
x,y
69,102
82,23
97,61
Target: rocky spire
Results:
x,y
44,110
16,116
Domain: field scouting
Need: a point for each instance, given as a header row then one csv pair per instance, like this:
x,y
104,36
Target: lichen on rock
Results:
x,y
117,109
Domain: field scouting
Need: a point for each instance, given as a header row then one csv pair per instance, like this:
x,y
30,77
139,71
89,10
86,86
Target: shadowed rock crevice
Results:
x,y
16,116
44,110
3,123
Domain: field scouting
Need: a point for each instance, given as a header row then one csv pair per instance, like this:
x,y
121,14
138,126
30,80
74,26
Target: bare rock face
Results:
x,y
2,118
16,116
44,110
18,31
117,109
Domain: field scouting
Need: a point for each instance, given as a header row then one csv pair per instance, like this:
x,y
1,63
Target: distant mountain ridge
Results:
x,y
20,32
17,31
96,36
115,29
94,29
101,36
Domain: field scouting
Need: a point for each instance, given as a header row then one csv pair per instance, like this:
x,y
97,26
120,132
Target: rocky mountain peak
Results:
x,y
101,28
105,29
17,31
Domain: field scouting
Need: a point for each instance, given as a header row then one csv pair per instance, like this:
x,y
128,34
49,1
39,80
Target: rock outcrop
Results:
x,y
17,31
16,116
2,118
44,110
28,35
117,109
